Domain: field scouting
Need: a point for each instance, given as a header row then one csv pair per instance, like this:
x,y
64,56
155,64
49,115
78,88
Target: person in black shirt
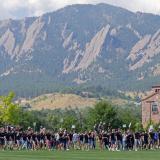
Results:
x,y
93,140
81,139
130,141
137,138
106,140
24,141
48,140
65,140
61,140
18,140
33,141
86,141
100,138
53,141
2,141
119,140
159,139
29,141
113,140
38,138
146,140
70,136
90,140
42,140
151,135
6,139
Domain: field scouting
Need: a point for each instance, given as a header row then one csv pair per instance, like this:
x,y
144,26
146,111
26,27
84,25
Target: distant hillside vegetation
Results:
x,y
54,101
57,100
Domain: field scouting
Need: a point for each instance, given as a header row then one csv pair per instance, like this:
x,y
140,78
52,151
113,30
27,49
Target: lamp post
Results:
x,y
61,121
150,112
34,125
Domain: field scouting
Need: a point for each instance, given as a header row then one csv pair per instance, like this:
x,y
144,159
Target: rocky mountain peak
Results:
x,y
99,45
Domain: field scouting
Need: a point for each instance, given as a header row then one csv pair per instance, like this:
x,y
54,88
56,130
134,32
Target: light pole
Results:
x,y
61,121
34,125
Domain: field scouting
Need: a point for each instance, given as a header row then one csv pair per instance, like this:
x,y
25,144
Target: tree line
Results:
x,y
103,113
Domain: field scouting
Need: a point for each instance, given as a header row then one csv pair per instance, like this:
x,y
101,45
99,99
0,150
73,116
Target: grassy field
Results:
x,y
79,155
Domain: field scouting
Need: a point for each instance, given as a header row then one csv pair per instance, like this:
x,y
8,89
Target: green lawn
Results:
x,y
79,155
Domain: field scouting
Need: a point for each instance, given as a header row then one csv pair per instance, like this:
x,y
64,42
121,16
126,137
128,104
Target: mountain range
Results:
x,y
80,45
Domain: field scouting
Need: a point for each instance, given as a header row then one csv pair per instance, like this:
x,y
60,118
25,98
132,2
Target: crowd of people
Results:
x,y
12,138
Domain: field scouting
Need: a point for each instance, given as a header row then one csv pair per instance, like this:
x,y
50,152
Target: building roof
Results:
x,y
153,94
158,86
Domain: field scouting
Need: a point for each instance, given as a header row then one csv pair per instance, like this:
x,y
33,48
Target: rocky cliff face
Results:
x,y
90,44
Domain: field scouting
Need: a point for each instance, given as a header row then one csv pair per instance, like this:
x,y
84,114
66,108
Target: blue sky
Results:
x,y
23,8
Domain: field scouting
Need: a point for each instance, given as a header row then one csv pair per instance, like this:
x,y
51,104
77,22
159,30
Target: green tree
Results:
x,y
69,121
9,111
129,114
103,112
53,121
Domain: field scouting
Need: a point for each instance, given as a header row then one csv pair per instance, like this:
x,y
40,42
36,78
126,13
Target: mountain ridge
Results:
x,y
95,45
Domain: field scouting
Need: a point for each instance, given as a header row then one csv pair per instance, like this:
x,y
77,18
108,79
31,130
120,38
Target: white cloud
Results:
x,y
21,8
